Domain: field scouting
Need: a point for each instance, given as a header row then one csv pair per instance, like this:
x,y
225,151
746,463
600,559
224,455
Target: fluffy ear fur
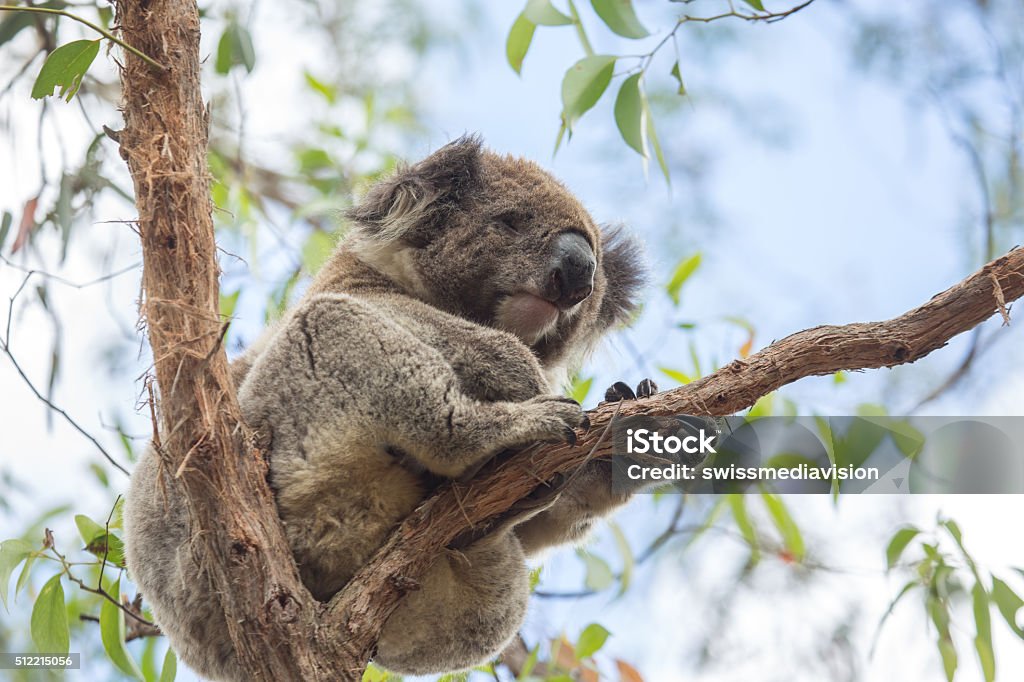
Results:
x,y
417,196
624,269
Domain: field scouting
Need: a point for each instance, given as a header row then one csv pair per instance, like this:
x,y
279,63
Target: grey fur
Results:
x,y
415,356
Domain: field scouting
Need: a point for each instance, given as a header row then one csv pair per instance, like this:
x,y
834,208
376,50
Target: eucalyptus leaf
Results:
x,y
49,624
630,114
591,640
684,270
786,526
620,17
12,553
112,632
1008,603
681,90
543,13
583,85
518,44
898,543
169,670
64,68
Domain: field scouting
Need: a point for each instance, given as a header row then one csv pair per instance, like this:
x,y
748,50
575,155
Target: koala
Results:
x,y
437,336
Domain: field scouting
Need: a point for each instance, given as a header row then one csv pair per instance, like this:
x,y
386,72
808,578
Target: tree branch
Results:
x,y
369,598
277,628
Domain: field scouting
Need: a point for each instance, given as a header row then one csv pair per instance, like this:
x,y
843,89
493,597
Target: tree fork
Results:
x,y
279,630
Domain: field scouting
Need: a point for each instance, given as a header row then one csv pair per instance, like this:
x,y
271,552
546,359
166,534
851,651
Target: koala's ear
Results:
x,y
418,196
625,274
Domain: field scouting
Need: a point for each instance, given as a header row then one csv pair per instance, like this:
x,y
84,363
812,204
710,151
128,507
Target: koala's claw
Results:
x,y
646,388
554,419
621,391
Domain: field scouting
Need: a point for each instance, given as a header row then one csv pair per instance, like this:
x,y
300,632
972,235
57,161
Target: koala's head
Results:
x,y
499,241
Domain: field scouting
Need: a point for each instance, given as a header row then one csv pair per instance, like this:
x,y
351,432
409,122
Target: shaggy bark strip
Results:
x,y
280,632
205,450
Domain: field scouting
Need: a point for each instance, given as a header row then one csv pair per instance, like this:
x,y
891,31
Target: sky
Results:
x,y
855,212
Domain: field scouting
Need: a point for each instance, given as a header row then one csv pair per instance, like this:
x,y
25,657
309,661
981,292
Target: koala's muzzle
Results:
x,y
571,277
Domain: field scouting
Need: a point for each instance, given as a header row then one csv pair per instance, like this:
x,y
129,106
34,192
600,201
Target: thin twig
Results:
x,y
6,348
102,31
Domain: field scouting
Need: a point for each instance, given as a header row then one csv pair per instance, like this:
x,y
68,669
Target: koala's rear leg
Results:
x,y
587,496
466,610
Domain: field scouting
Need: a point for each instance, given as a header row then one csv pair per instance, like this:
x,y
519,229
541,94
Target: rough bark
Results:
x,y
277,627
238,537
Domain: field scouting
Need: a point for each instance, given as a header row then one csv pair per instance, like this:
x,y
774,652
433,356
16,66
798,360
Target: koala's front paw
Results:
x,y
621,391
552,419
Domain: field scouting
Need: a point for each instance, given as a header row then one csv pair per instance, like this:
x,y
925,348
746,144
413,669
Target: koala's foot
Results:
x,y
646,388
540,500
550,419
621,391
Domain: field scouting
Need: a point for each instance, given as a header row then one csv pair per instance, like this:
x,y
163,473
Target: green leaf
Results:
x,y
679,79
738,504
676,375
948,652
25,572
652,135
983,625
1008,603
580,388
228,303
630,114
897,544
535,577
591,640
117,514
169,670
235,48
12,553
518,44
64,68
107,546
786,526
620,18
954,531
49,623
626,552
683,271
583,85
329,92
888,612
88,529
599,574
543,13
112,634
529,664
375,674
5,227
756,4
762,408
938,611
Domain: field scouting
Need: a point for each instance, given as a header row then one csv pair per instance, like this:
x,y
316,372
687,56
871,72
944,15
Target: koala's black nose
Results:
x,y
571,278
